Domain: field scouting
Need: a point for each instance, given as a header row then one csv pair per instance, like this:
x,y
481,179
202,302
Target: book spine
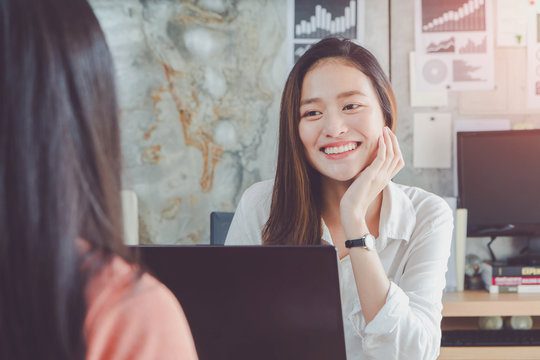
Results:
x,y
515,271
518,289
515,280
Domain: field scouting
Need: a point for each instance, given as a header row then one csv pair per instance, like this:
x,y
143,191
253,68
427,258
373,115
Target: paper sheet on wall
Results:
x,y
533,57
454,44
474,125
432,140
421,98
312,20
512,22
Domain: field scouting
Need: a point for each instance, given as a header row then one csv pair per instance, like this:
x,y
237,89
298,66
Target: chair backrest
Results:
x,y
219,226
130,217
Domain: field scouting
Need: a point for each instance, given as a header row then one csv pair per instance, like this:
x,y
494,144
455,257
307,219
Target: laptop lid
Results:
x,y
255,302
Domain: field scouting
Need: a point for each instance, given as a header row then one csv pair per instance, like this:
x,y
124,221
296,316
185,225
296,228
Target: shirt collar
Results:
x,y
398,217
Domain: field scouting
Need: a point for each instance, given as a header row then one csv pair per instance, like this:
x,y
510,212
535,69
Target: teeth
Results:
x,y
340,149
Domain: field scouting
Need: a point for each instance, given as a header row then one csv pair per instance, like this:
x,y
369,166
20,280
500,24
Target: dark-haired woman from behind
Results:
x,y
68,287
337,156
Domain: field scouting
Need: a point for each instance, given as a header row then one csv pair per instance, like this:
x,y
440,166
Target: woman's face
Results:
x,y
340,119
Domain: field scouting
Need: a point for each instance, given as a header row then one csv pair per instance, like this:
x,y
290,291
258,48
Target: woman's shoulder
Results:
x,y
258,195
427,205
251,215
116,282
421,197
129,313
259,191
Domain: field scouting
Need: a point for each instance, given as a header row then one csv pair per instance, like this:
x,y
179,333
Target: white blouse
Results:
x,y
415,235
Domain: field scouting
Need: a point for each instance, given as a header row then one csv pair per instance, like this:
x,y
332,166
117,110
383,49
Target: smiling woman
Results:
x,y
333,77
337,156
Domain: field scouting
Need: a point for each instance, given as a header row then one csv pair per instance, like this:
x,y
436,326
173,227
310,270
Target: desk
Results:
x,y
460,310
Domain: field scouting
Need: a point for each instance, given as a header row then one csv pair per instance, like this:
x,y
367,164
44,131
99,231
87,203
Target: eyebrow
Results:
x,y
340,96
350,93
309,101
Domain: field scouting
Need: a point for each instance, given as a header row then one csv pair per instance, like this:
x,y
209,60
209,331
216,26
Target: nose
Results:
x,y
334,125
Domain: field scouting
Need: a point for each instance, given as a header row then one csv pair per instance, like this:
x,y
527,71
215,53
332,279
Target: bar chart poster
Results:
x,y
454,44
453,15
313,20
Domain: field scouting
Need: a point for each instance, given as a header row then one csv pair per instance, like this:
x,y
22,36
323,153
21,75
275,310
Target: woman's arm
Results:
x,y
371,281
407,326
400,322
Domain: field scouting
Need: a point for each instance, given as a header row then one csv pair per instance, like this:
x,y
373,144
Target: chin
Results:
x,y
345,176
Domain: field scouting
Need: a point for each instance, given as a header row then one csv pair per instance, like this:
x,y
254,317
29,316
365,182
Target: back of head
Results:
x,y
59,172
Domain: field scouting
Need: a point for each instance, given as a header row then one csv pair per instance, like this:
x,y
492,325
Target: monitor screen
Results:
x,y
499,181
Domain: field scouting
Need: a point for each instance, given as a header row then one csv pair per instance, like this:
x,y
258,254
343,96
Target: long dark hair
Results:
x,y
295,212
59,173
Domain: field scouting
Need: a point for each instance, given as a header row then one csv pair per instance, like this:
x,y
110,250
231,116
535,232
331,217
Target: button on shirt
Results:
x,y
414,241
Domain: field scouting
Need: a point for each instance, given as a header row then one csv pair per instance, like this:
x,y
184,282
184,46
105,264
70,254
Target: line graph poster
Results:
x,y
445,46
473,47
454,44
313,20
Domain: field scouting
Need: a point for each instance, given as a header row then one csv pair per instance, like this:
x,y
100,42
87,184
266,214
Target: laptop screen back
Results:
x,y
255,302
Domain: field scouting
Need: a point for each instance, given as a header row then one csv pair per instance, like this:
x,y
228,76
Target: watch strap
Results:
x,y
360,242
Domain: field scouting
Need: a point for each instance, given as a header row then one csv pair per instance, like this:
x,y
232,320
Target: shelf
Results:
x,y
482,303
490,353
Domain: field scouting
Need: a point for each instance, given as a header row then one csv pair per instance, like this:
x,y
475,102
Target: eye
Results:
x,y
351,107
311,114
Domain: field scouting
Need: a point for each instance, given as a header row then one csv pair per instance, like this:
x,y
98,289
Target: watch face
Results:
x,y
370,241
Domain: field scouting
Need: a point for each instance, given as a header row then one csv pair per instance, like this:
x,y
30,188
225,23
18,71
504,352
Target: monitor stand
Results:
x,y
529,259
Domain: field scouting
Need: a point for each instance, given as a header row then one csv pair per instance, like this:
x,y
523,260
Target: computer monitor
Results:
x,y
499,181
255,302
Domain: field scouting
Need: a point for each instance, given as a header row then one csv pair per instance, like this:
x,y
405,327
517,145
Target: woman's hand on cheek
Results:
x,y
371,181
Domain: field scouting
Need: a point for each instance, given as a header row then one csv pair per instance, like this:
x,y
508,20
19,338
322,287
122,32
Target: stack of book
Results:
x,y
500,277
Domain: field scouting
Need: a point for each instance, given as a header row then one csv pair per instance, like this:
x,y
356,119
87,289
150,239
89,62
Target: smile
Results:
x,y
339,148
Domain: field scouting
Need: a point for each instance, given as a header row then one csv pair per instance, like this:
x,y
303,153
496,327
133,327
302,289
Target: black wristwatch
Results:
x,y
367,242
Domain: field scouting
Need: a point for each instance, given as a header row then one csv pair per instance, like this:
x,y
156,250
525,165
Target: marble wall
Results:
x,y
200,84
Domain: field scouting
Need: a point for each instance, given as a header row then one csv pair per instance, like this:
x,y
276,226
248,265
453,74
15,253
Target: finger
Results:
x,y
398,162
395,147
375,166
381,154
389,148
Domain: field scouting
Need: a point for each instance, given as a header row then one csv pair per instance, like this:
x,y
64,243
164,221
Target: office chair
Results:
x,y
219,226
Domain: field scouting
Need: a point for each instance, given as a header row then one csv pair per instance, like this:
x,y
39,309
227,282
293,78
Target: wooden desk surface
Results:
x,y
490,353
482,303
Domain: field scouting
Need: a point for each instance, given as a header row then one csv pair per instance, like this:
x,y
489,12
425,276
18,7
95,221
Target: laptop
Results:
x,y
255,302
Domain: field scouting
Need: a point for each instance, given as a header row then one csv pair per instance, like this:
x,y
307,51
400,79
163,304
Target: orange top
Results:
x,y
131,318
